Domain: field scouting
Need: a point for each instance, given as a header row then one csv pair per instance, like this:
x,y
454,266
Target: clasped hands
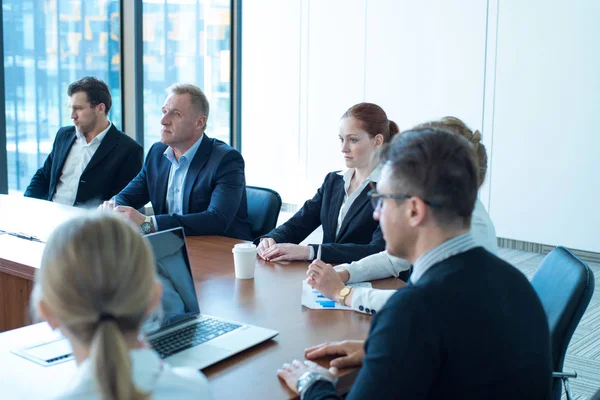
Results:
x,y
129,213
269,250
350,354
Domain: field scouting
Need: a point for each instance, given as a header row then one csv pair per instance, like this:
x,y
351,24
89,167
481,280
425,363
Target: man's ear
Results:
x,y
101,108
48,315
201,123
417,211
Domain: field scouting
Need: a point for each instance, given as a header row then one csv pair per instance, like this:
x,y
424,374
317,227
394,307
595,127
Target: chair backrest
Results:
x,y
565,285
263,209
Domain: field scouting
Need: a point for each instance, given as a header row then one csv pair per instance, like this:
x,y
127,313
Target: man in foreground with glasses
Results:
x,y
467,325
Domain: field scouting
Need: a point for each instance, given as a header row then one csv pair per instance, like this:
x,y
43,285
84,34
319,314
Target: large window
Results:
x,y
187,41
47,45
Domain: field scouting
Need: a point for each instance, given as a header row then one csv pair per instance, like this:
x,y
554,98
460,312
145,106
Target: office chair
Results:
x,y
263,209
565,285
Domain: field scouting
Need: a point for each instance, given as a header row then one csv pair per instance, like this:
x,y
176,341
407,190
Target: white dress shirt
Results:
x,y
150,375
383,265
79,157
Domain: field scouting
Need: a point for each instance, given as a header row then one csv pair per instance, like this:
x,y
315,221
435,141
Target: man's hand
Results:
x,y
352,353
325,279
108,205
264,245
291,372
286,252
131,214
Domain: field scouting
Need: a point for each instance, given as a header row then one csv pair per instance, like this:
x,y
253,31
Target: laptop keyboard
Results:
x,y
190,336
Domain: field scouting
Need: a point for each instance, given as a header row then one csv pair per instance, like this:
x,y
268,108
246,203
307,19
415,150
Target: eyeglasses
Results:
x,y
377,197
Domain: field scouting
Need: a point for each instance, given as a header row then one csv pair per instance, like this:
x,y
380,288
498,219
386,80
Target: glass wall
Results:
x,y
187,41
47,45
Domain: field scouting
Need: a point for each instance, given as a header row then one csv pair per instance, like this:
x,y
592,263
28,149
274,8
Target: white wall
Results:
x,y
525,73
544,181
327,55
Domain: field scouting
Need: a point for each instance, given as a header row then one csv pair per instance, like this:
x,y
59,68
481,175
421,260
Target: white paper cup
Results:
x,y
244,260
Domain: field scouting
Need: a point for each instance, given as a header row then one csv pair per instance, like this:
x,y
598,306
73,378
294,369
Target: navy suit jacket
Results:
x,y
115,163
359,236
214,198
472,327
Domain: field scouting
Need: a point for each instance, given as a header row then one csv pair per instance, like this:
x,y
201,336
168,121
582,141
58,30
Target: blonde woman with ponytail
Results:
x,y
97,284
331,281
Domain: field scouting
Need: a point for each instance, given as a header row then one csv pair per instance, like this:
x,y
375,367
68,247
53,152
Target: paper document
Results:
x,y
313,299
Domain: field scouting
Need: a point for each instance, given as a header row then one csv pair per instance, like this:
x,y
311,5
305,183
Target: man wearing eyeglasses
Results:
x,y
467,325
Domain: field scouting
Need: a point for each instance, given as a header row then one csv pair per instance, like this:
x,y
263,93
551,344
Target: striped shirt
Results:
x,y
449,248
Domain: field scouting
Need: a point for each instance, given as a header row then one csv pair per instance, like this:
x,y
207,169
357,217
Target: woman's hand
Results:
x,y
264,245
286,252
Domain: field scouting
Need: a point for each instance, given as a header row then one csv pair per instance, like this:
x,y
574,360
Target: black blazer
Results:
x,y
214,191
115,163
359,236
472,327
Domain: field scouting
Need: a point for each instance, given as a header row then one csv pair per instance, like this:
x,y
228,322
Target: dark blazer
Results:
x,y
214,191
115,163
360,235
472,327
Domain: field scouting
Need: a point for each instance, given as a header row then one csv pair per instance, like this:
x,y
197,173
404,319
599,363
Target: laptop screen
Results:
x,y
179,301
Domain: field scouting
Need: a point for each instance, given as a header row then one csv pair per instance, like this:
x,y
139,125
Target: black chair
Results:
x,y
565,285
263,209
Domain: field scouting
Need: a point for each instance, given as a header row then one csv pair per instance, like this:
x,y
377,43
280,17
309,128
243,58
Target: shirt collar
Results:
x,y
373,176
98,137
187,156
449,248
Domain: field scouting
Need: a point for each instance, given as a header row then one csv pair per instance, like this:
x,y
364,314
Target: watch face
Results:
x,y
146,227
345,291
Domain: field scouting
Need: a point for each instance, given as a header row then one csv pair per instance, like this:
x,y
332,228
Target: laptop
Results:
x,y
178,331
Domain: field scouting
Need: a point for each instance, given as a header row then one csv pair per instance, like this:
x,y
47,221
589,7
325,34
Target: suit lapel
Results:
x,y
63,155
162,181
337,197
109,142
359,203
196,165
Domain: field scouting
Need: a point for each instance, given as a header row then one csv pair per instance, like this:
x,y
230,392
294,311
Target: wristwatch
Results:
x,y
343,293
146,226
307,379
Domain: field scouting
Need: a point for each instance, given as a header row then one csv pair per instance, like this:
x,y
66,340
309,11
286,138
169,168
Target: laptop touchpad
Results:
x,y
199,357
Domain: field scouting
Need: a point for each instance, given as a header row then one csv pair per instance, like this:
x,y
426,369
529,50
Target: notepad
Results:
x,y
48,353
313,299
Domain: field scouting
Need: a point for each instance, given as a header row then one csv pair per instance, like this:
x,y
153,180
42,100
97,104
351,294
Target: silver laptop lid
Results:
x,y
179,301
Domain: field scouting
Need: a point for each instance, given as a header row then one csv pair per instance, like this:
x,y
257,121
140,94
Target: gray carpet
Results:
x,y
583,354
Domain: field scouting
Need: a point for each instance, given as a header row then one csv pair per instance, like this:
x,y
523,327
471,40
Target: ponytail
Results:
x,y
111,363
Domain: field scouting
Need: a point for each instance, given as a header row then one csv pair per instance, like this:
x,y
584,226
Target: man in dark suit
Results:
x,y
192,180
467,325
91,161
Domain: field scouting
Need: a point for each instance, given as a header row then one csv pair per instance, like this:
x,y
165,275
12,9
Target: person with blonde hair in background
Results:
x,y
324,278
98,284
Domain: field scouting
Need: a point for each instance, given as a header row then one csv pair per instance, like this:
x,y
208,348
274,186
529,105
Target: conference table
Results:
x,y
271,300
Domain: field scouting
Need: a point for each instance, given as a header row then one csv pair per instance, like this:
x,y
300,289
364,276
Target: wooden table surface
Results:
x,y
272,300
